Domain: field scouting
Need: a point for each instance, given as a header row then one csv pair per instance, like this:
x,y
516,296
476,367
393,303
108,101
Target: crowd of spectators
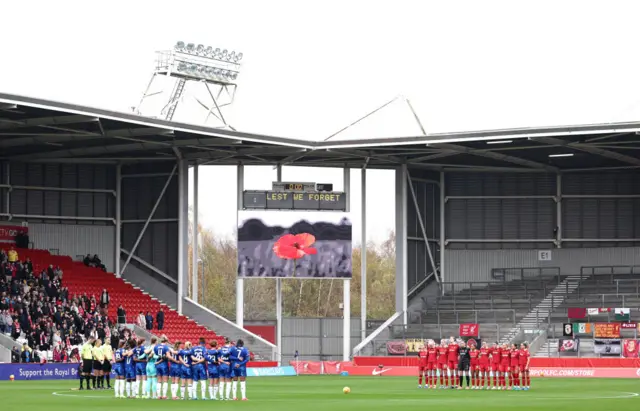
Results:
x,y
37,311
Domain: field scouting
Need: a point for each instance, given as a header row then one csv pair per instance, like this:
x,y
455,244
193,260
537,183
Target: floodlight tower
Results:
x,y
190,66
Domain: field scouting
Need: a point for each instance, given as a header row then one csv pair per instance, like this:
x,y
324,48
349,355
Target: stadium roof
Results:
x,y
46,131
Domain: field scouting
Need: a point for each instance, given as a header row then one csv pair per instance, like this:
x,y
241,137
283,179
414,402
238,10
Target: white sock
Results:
x,y
138,386
183,391
122,383
194,389
234,385
203,389
165,387
221,386
211,391
228,391
116,387
174,390
243,389
128,385
215,391
158,389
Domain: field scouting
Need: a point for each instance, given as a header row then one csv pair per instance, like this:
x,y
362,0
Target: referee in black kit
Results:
x,y
464,363
86,352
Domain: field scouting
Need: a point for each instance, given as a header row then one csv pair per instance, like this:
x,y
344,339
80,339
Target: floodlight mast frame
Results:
x,y
190,70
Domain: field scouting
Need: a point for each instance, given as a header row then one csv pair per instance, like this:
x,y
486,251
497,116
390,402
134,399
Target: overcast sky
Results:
x,y
312,67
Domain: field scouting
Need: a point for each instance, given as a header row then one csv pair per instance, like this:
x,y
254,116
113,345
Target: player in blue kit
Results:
x,y
118,369
162,367
141,369
185,378
212,369
239,359
198,369
129,366
224,369
175,369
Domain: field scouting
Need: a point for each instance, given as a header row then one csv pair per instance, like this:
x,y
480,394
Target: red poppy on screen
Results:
x,y
291,247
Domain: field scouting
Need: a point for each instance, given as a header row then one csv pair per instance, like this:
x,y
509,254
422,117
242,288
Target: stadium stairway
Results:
x,y
540,314
80,279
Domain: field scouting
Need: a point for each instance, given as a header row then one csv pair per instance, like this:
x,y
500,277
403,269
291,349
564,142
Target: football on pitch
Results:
x,y
11,377
346,390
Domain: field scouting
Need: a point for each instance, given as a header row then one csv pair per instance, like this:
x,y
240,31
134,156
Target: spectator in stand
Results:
x,y
149,320
160,319
98,263
104,299
13,255
3,256
122,315
142,321
3,323
26,353
15,354
115,338
87,261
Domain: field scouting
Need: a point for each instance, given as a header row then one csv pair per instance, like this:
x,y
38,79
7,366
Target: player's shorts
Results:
x,y
523,367
213,372
141,369
186,373
515,368
199,373
441,365
87,366
241,371
463,366
431,366
474,366
117,370
451,365
224,371
504,368
495,367
484,367
130,373
152,370
422,368
97,366
161,370
175,370
106,367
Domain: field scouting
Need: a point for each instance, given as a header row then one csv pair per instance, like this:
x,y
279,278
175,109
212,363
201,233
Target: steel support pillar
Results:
x,y
279,296
401,242
146,224
183,231
346,294
422,228
363,257
118,242
559,210
239,280
194,240
8,196
443,232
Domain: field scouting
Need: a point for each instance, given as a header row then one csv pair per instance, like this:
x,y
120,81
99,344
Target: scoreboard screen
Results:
x,y
277,200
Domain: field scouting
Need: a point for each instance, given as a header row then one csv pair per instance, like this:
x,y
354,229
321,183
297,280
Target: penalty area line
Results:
x,y
608,397
60,394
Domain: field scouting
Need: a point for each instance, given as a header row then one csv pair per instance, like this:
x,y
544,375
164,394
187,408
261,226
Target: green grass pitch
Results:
x,y
324,393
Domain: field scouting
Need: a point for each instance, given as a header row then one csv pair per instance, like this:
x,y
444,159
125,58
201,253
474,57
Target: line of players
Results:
x,y
497,368
151,369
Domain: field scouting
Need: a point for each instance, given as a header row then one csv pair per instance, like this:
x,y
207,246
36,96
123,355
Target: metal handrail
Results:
x,y
628,269
475,312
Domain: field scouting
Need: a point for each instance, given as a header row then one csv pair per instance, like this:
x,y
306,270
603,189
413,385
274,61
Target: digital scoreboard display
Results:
x,y
278,200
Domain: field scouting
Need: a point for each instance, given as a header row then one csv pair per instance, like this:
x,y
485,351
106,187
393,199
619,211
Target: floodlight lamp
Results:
x,y
224,53
223,73
216,72
191,47
200,48
182,66
209,51
216,51
179,45
232,56
233,76
193,67
239,56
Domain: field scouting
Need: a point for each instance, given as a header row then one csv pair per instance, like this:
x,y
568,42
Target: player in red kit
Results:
x,y
452,361
442,363
524,366
422,366
483,366
432,365
475,367
505,365
496,360
514,355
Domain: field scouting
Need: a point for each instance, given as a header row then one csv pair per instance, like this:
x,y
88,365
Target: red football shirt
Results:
x,y
474,354
442,355
422,358
515,357
524,357
496,355
484,356
432,355
505,355
453,352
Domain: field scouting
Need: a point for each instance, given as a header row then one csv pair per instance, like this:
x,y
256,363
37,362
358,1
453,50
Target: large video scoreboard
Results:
x,y
295,196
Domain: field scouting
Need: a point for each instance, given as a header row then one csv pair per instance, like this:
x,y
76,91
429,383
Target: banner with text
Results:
x,y
469,330
9,232
607,346
307,367
629,326
47,371
286,371
607,330
630,348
